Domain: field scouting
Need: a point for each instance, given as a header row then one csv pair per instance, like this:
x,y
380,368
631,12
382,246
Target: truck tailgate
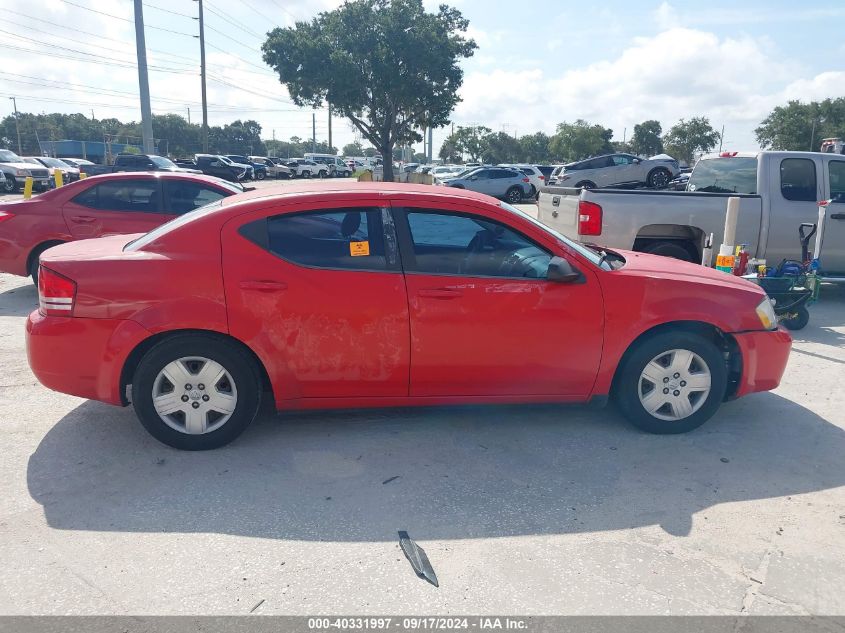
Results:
x,y
558,208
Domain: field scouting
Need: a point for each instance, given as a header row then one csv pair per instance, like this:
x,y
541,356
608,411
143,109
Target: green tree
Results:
x,y
388,66
535,148
353,149
501,148
646,140
449,151
802,126
469,140
579,140
686,139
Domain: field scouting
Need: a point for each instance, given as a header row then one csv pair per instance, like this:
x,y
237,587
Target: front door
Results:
x,y
484,320
794,200
833,248
124,205
319,295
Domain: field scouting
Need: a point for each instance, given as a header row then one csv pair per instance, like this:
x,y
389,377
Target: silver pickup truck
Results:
x,y
777,190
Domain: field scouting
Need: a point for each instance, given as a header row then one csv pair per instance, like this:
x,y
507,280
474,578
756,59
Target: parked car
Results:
x,y
337,167
69,174
546,170
220,167
16,170
2,182
499,182
259,170
139,162
247,277
777,191
303,168
79,163
613,170
535,177
446,171
274,166
100,205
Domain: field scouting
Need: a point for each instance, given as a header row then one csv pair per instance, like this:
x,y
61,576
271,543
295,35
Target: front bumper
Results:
x,y
764,358
80,356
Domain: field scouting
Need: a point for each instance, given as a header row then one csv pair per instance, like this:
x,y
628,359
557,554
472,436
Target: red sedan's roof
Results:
x,y
123,175
307,188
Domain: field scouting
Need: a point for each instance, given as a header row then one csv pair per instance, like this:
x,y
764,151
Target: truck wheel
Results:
x,y
671,382
10,185
514,195
799,321
585,184
673,249
659,178
196,392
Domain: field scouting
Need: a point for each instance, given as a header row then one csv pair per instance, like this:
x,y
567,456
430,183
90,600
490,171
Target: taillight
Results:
x,y
541,177
525,180
56,293
589,218
6,215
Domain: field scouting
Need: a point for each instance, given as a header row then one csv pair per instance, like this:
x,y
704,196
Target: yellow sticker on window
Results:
x,y
357,249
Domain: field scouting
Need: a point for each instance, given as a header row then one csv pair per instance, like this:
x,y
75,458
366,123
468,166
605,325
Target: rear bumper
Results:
x,y
80,356
764,358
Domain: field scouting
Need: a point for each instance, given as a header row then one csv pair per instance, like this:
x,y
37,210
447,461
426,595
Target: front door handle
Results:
x,y
440,293
263,286
83,219
837,216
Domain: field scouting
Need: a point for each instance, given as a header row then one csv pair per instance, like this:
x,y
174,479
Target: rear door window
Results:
x,y
132,195
798,179
182,196
345,239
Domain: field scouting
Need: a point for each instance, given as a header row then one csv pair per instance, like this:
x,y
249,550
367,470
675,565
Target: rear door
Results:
x,y
182,195
833,248
797,188
125,205
317,290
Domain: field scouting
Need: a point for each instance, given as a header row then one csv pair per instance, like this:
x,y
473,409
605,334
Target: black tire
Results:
x,y
659,178
670,248
627,382
586,184
234,360
10,185
306,174
799,321
514,195
260,175
34,260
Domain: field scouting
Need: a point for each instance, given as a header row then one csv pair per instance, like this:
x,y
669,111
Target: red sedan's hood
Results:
x,y
667,268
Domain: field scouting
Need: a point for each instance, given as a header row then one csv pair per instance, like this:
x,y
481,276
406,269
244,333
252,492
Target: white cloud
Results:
x,y
678,73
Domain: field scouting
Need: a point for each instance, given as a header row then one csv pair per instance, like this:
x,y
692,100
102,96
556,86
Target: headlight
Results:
x,y
766,314
21,172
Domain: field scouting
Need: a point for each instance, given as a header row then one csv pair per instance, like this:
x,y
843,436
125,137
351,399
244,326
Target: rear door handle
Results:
x,y
440,293
83,219
263,286
837,216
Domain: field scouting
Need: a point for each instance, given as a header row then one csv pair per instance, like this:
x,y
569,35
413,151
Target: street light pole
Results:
x,y
17,125
143,80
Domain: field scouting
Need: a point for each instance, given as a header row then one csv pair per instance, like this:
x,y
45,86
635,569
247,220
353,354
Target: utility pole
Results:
x,y
17,125
189,114
143,80
430,144
202,81
330,126
721,138
812,135
313,132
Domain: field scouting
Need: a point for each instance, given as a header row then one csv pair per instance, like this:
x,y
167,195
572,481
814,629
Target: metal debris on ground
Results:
x,y
417,557
389,479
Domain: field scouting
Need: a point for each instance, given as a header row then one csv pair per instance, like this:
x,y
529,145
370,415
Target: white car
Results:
x,y
447,171
302,168
612,170
16,171
535,176
275,167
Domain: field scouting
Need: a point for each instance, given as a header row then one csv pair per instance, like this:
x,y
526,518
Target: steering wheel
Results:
x,y
483,240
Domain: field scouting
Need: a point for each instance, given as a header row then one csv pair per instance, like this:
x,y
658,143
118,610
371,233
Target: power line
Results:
x,y
90,61
266,17
184,15
117,17
236,23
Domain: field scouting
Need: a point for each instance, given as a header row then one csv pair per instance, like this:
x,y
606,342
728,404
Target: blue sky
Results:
x,y
539,63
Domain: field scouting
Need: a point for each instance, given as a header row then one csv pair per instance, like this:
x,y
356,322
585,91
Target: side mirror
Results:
x,y
561,271
473,177
637,161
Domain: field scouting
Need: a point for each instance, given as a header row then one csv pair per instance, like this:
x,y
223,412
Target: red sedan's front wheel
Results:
x,y
196,392
672,382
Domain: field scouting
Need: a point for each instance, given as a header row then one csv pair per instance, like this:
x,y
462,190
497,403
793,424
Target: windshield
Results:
x,y
161,161
175,223
582,250
223,159
53,162
9,157
724,175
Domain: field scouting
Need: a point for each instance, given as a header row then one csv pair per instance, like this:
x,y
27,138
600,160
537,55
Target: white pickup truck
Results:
x,y
777,190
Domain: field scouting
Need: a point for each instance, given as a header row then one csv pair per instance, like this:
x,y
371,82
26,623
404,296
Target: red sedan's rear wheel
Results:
x,y
672,382
196,392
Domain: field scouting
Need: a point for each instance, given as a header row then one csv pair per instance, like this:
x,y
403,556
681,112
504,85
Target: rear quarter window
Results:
x,y
798,179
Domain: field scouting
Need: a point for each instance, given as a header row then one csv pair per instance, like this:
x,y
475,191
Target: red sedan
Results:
x,y
383,295
102,205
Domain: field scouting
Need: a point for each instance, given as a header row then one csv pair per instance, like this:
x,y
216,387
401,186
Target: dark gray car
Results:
x,y
500,182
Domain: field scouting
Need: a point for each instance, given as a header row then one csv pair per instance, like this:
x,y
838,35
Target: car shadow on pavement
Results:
x,y
449,473
19,301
